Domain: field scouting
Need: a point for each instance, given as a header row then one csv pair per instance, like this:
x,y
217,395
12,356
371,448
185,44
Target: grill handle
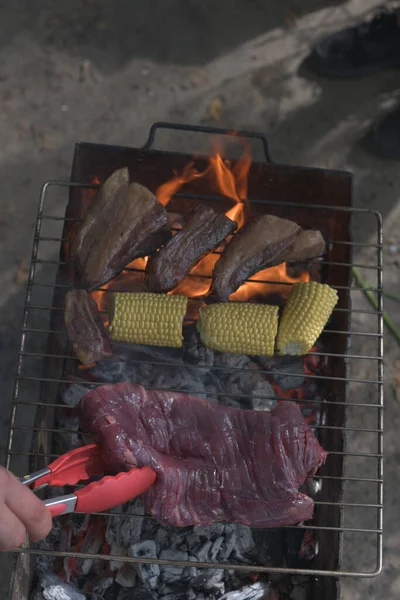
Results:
x,y
207,130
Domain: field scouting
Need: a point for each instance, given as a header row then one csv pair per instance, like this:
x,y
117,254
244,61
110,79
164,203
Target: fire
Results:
x,y
272,277
227,180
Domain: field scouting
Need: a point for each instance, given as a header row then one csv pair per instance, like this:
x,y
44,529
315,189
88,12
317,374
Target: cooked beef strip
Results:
x,y
85,328
257,245
308,244
204,231
213,463
124,221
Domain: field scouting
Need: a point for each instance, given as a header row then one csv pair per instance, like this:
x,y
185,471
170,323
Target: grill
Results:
x,y
348,511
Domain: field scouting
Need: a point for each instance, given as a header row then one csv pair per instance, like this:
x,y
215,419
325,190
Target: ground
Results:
x,y
92,70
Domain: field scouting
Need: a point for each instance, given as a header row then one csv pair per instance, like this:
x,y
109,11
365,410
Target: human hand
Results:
x,y
21,512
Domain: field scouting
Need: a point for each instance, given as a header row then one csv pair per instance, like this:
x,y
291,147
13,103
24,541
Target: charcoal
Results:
x,y
125,529
170,573
37,595
67,438
250,592
126,575
74,393
203,552
147,572
245,543
140,593
103,585
55,588
116,550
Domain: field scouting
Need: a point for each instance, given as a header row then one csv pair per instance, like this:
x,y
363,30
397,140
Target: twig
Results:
x,y
374,302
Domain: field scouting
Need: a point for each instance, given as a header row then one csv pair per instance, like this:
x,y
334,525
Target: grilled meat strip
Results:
x,y
213,463
124,221
308,244
204,231
85,328
257,245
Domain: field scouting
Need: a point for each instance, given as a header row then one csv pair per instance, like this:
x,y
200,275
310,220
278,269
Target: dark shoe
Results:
x,y
359,50
384,138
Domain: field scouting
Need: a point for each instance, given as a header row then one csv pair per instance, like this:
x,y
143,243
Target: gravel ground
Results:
x,y
98,71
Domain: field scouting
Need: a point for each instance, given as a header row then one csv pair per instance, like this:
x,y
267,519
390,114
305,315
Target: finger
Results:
x,y
29,509
12,531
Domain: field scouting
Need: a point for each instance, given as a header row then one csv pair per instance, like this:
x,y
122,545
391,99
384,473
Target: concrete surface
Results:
x,y
92,70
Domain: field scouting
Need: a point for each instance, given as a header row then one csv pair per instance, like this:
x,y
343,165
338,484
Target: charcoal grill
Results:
x,y
314,198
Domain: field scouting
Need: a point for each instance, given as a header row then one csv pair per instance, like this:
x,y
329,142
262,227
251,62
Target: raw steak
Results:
x,y
213,463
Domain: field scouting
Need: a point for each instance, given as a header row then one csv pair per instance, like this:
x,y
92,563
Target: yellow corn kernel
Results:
x,y
239,327
152,319
305,314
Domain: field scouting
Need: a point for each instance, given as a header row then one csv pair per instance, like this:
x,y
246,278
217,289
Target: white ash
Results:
x,y
148,573
54,588
250,592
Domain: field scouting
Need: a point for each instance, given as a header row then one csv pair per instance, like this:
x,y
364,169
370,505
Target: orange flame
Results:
x,y
228,181
258,284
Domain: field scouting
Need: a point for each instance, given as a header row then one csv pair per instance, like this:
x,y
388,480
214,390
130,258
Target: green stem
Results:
x,y
391,296
374,302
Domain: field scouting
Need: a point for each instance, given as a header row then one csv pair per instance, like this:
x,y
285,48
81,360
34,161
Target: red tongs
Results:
x,y
84,463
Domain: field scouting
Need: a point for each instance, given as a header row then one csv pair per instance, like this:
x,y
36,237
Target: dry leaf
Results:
x,y
215,109
22,272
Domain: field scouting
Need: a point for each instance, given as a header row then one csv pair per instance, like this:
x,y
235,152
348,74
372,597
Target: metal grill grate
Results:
x,y
361,505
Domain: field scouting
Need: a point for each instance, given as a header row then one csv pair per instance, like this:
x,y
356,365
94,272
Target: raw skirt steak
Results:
x,y
213,463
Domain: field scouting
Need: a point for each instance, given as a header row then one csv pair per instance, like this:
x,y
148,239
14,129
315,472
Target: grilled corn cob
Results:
x,y
305,314
239,327
153,319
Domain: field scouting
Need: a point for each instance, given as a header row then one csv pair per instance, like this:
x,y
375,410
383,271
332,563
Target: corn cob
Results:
x,y
239,327
153,319
305,314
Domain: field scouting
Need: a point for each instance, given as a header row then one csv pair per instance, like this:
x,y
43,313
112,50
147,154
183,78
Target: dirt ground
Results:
x,y
93,70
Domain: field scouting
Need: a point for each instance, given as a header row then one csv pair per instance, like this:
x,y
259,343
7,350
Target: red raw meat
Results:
x,y
213,463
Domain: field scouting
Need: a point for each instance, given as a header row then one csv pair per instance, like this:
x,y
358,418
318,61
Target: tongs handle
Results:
x,y
113,491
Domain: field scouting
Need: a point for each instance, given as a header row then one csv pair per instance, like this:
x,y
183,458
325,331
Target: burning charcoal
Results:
x,y
248,385
55,588
126,575
92,543
292,366
249,592
195,352
203,232
147,572
124,221
85,328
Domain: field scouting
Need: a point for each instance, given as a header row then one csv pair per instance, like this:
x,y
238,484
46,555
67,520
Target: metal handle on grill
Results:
x,y
208,130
